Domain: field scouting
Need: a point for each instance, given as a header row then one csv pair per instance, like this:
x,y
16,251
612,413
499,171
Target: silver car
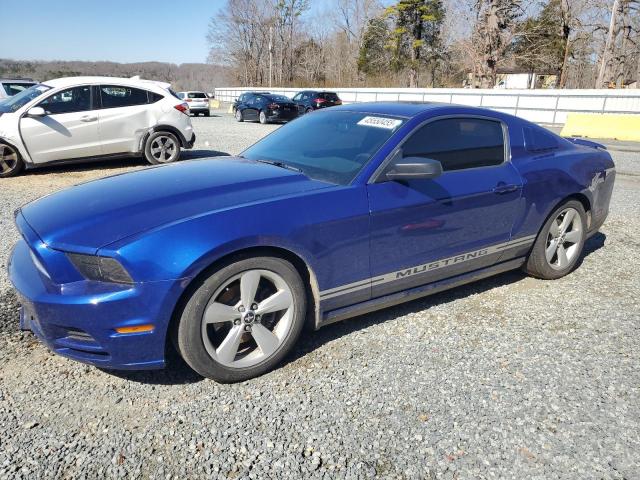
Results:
x,y
198,102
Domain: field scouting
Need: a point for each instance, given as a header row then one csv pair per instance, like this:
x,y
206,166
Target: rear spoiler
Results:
x,y
164,85
587,143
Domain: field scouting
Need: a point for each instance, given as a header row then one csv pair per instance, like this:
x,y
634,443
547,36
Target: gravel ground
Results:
x,y
510,377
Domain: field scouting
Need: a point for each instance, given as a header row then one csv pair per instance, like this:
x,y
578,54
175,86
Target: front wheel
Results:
x,y
559,245
239,117
10,162
242,320
263,118
162,147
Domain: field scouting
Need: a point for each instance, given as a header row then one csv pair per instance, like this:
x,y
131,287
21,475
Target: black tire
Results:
x,y
537,264
239,116
151,154
308,110
262,117
206,114
188,335
11,163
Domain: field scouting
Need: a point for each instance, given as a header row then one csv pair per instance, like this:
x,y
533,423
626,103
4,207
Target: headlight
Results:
x,y
101,269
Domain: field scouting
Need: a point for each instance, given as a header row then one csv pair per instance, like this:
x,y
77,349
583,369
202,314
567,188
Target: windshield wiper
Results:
x,y
281,165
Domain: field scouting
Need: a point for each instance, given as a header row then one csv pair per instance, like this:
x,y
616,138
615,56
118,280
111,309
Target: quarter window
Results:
x,y
114,96
458,143
77,99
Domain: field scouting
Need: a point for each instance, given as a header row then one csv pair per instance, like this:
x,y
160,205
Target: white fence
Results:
x,y
540,106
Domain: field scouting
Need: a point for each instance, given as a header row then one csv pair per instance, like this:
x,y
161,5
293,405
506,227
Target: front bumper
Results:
x,y
78,319
190,143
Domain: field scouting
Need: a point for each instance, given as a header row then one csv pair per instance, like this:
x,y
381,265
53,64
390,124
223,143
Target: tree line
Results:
x,y
186,76
426,43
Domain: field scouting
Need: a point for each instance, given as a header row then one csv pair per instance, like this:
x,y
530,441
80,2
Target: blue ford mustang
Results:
x,y
339,213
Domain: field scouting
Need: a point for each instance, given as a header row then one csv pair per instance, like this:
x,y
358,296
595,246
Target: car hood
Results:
x,y
94,214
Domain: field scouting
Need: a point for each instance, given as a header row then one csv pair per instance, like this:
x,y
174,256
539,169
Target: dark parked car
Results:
x,y
264,107
309,100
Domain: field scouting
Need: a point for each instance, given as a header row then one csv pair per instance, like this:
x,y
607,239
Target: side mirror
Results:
x,y
414,168
36,112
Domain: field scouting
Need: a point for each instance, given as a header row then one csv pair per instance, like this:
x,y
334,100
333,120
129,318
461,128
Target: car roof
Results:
x,y
72,81
411,109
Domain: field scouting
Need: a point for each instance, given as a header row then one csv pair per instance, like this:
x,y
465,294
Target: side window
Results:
x,y
154,97
114,96
242,98
297,97
458,143
306,96
77,99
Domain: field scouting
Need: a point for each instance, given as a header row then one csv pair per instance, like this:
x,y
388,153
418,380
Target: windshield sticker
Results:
x,y
380,122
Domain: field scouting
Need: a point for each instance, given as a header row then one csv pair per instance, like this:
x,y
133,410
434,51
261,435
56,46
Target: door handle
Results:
x,y
88,118
501,189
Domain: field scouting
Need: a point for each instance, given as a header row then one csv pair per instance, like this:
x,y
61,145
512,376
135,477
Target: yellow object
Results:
x,y
230,108
214,103
603,125
135,329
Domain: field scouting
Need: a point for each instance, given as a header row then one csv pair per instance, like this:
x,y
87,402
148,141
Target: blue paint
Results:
x,y
167,224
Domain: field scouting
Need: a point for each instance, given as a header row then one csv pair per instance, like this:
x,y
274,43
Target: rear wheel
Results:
x,y
162,147
243,319
308,110
263,118
559,245
10,162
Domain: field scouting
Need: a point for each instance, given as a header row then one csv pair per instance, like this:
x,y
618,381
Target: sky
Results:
x,y
117,30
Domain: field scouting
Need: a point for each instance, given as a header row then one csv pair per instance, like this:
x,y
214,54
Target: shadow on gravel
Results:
x,y
119,163
312,340
192,154
177,372
594,243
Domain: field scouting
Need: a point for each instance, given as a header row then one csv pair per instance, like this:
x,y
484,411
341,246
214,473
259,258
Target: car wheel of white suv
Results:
x,y
162,147
10,162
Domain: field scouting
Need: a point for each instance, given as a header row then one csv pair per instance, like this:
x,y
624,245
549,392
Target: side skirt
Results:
x,y
94,158
417,292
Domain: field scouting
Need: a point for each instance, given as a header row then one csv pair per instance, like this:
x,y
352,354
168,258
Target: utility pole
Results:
x,y
608,45
270,54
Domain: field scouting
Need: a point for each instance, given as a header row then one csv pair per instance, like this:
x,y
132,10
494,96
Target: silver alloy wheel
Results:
x,y
8,158
248,318
564,238
238,115
164,149
263,117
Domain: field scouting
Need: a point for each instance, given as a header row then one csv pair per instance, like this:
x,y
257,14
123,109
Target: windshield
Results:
x,y
279,98
18,101
327,146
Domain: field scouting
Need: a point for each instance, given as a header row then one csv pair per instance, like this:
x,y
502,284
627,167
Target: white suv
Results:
x,y
198,102
80,118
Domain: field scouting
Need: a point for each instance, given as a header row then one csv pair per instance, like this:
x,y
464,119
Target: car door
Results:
x,y
297,99
68,130
424,230
252,107
123,117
